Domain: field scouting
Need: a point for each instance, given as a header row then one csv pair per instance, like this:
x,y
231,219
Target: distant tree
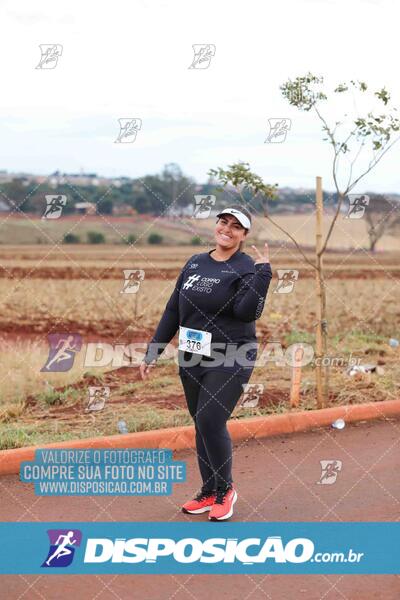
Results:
x,y
151,195
131,239
381,216
155,238
142,203
104,206
179,188
95,237
17,195
71,238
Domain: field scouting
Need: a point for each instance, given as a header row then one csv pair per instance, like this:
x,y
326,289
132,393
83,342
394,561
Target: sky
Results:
x,y
130,59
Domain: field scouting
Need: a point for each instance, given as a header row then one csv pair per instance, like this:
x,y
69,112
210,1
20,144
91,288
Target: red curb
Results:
x,y
181,438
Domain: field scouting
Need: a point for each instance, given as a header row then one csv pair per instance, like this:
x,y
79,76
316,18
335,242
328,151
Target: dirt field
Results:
x,y
29,229
50,288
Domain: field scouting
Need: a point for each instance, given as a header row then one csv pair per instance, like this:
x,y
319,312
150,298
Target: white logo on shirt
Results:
x,y
205,284
189,283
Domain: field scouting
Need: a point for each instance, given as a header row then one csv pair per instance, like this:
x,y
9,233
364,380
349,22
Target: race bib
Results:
x,y
194,340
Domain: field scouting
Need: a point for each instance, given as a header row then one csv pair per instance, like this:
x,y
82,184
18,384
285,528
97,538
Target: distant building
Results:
x,y
4,206
180,211
123,210
85,208
5,177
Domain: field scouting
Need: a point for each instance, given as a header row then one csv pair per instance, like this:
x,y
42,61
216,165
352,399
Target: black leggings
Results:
x,y
211,399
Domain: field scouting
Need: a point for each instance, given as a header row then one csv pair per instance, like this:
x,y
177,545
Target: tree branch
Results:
x,y
307,260
372,164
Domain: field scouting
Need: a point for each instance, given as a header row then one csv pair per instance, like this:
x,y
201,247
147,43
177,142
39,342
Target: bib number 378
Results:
x,y
194,340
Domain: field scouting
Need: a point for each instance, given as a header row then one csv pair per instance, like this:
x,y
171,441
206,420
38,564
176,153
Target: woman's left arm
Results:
x,y
250,298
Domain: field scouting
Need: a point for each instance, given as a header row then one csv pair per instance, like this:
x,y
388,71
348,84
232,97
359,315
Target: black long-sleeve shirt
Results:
x,y
224,298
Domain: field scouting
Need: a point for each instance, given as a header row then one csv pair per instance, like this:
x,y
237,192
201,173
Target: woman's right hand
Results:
x,y
144,369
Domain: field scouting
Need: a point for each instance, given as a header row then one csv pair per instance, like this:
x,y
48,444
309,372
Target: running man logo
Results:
x,y
54,206
128,129
278,129
62,550
97,398
286,280
203,54
203,206
49,55
330,470
62,350
357,206
133,277
251,395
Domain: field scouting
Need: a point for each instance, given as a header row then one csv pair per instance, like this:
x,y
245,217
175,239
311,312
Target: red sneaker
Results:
x,y
223,506
201,503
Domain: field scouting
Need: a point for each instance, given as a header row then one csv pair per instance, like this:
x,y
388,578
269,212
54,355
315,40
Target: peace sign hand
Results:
x,y
262,258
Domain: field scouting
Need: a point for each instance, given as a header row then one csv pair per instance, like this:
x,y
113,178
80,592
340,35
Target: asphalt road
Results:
x,y
276,479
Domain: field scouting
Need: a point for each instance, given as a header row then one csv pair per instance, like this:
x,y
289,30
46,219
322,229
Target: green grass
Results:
x,y
355,337
29,435
128,389
94,374
137,418
357,342
296,337
147,418
53,397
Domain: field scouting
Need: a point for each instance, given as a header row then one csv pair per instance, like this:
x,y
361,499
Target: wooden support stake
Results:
x,y
296,377
318,246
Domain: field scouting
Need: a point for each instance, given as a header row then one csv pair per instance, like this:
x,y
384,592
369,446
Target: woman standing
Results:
x,y
217,299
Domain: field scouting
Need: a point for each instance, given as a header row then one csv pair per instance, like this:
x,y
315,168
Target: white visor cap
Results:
x,y
241,217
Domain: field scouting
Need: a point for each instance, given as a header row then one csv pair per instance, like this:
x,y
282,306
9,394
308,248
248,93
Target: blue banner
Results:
x,y
206,547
